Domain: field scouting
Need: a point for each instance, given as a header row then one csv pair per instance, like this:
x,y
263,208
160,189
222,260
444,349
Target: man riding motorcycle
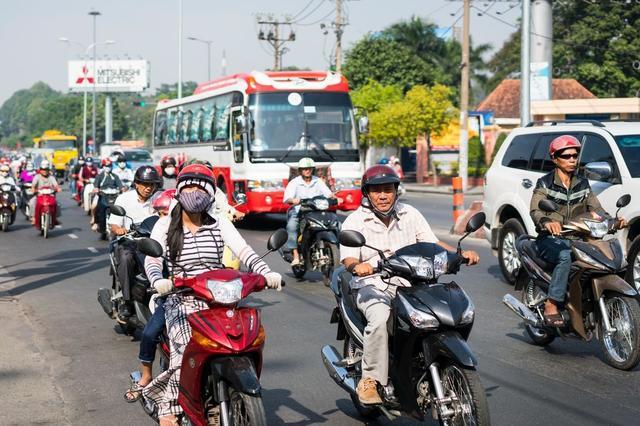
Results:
x,y
387,225
88,171
43,179
107,179
138,205
574,196
122,171
168,167
73,178
302,187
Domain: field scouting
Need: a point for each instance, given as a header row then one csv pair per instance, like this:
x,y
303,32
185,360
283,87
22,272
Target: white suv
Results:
x,y
610,158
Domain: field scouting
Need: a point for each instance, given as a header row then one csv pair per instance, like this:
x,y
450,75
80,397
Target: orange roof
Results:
x,y
504,101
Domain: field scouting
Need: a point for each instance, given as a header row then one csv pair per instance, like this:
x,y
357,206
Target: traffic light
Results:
x,y
139,103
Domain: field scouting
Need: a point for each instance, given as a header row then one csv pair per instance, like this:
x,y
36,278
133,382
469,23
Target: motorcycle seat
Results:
x,y
529,247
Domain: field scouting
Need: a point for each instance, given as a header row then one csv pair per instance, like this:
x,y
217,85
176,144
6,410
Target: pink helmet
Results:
x,y
163,201
563,142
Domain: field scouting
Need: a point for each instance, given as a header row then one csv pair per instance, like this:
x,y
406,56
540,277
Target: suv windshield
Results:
x,y
630,148
280,119
137,156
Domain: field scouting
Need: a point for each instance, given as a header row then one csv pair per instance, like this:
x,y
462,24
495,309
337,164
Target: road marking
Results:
x,y
92,249
58,226
73,236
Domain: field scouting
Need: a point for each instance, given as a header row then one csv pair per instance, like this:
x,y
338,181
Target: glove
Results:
x,y
163,286
274,280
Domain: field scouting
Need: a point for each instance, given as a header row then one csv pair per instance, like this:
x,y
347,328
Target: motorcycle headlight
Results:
x,y
418,318
265,185
598,229
225,292
422,267
6,188
440,261
321,204
469,314
584,257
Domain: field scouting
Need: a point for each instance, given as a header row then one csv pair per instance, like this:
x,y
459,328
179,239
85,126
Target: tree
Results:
x,y
373,95
170,91
387,62
594,42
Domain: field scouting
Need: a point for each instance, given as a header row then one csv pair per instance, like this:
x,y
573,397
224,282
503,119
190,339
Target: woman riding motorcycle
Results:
x,y
193,241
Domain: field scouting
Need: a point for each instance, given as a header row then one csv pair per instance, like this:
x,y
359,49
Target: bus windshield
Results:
x,y
302,124
57,144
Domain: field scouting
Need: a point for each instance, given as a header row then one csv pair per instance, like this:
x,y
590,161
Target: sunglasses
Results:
x,y
567,156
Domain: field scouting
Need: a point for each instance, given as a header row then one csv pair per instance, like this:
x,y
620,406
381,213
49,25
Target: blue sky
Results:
x,y
29,32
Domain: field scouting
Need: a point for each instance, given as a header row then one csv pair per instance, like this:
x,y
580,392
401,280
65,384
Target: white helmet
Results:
x,y
45,164
306,163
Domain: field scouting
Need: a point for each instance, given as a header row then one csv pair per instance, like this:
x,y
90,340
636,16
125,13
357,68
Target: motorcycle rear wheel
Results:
x,y
367,413
246,410
472,406
5,225
622,348
539,336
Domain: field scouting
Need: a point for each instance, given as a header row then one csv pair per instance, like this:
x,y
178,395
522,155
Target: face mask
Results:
x,y
107,169
122,165
195,202
169,171
4,174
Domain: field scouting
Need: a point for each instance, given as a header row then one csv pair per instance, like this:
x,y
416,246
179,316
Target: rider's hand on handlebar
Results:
x,y
163,286
621,222
555,228
119,230
274,280
295,201
363,269
471,256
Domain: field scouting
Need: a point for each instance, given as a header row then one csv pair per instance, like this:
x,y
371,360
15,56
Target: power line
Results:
x,y
310,13
318,21
303,9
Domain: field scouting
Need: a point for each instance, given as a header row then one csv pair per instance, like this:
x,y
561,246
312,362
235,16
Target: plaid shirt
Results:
x,y
410,228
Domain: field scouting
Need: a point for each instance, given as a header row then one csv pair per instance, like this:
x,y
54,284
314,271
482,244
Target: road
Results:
x,y
61,362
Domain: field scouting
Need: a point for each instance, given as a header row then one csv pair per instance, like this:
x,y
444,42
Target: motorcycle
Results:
x,y
222,362
7,205
87,195
46,210
317,238
432,369
106,197
599,301
26,194
111,298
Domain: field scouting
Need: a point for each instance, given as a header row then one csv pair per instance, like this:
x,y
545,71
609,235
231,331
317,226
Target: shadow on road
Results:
x,y
276,398
267,222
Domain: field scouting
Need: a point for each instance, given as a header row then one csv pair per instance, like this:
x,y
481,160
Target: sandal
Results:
x,y
134,393
554,320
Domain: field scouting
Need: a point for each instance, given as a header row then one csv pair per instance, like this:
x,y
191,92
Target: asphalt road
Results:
x,y
62,362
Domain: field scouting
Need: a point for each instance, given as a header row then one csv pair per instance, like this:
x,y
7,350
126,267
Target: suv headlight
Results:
x,y
598,229
418,318
225,292
265,185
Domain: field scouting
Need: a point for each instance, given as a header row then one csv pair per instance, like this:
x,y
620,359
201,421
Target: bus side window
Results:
x,y
208,122
186,126
180,117
160,131
172,126
222,124
237,137
196,127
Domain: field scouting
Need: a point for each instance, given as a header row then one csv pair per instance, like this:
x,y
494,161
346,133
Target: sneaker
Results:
x,y
295,262
124,311
94,227
367,392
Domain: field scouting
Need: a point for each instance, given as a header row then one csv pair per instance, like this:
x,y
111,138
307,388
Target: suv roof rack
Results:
x,y
556,122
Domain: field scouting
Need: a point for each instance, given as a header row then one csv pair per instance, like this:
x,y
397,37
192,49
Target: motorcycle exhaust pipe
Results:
x,y
331,359
521,310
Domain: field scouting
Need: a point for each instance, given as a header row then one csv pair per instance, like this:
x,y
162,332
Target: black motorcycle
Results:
x,y
432,368
26,194
111,298
317,238
7,206
106,199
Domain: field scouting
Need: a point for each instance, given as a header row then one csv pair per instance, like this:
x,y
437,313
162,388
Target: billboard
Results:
x,y
110,76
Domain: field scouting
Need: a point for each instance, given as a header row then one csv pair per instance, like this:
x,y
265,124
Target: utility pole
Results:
x,y
179,49
525,69
339,25
94,14
464,97
541,50
272,37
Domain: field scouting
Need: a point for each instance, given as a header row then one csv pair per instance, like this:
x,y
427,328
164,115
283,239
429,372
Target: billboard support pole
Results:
x,y
108,120
84,124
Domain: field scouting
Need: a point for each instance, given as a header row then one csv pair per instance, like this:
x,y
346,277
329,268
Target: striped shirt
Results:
x,y
203,250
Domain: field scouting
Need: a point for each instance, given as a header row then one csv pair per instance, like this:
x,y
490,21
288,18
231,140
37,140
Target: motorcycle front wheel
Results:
x,y
44,225
470,401
622,347
246,410
5,224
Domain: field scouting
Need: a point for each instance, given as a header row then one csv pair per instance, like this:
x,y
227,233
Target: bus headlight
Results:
x,y
265,185
347,183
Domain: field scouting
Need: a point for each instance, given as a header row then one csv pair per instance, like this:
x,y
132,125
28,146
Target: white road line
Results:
x,y
73,236
92,249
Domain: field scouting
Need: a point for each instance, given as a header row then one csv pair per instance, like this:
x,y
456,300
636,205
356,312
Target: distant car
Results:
x,y
610,159
137,157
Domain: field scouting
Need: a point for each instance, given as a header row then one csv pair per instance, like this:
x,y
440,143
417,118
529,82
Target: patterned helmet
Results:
x,y
563,142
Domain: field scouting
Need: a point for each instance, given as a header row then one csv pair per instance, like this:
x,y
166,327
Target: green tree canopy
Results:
x,y
373,95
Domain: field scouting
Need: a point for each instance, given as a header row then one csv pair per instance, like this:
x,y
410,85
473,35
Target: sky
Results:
x,y
148,29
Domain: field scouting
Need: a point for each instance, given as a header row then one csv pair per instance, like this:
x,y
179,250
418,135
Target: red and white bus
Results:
x,y
255,127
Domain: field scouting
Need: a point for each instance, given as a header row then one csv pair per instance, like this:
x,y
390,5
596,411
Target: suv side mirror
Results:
x,y
547,206
352,239
598,170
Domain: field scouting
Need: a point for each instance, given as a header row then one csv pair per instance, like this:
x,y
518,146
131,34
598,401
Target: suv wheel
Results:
x,y
633,270
507,255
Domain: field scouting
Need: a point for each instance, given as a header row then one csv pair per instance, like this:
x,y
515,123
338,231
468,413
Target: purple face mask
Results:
x,y
195,202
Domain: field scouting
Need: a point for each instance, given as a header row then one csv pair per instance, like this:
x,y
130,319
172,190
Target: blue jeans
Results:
x,y
151,334
292,229
558,251
72,186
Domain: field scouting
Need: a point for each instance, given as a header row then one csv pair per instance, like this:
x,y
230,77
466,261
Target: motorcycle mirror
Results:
x,y
149,247
476,222
352,239
623,201
118,211
547,206
277,240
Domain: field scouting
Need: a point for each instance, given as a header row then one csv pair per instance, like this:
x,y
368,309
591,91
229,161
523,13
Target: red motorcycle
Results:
x,y
46,210
221,366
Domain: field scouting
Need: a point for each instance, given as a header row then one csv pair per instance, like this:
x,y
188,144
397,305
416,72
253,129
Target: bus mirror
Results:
x,y
241,123
363,125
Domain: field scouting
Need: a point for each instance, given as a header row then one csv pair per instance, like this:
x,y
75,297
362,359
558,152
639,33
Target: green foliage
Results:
x,y
373,95
594,42
476,156
170,91
498,144
423,110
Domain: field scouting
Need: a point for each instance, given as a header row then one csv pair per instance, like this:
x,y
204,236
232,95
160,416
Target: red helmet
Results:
x,y
378,175
563,142
106,162
166,161
163,201
197,171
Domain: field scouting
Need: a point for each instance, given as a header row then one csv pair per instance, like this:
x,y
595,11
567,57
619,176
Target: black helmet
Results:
x,y
379,174
80,158
166,161
121,159
146,174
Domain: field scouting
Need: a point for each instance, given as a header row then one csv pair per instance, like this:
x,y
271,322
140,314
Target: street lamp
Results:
x,y
208,43
84,109
94,14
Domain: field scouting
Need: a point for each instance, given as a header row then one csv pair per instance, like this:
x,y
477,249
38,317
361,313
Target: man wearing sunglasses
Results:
x,y
573,196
